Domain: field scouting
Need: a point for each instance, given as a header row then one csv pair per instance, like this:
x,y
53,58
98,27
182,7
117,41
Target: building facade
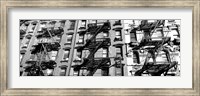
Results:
x,y
137,57
93,47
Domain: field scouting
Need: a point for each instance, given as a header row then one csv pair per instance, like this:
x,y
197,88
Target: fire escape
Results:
x,y
41,50
154,68
90,63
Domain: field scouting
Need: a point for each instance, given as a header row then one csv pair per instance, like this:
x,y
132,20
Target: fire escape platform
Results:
x,y
160,68
93,44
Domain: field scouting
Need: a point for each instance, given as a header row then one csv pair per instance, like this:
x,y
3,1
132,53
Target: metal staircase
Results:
x,y
41,50
146,44
93,44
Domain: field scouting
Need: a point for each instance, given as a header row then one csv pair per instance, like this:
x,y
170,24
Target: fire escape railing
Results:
x,y
93,44
41,50
154,69
96,64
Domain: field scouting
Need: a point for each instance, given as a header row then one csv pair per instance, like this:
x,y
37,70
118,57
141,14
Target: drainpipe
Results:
x,y
72,48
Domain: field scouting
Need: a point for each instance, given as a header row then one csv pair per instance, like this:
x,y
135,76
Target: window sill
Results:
x,y
64,61
69,33
70,29
77,60
80,43
117,24
67,43
82,28
118,39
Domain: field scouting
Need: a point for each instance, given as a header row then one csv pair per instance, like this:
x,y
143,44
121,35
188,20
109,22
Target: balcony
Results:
x,y
48,33
93,27
49,47
99,42
48,64
95,64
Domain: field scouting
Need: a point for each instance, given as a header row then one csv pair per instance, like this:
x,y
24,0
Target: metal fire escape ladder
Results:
x,y
97,45
90,58
97,31
93,51
96,65
156,70
91,71
42,55
91,55
155,28
44,46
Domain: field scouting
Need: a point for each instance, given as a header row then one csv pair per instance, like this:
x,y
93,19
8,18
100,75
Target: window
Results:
x,y
32,57
58,39
126,31
66,55
105,71
105,34
81,39
72,25
83,72
119,71
49,72
119,52
79,54
76,73
133,37
88,36
118,63
62,23
69,39
105,52
118,36
53,55
63,71
83,24
136,58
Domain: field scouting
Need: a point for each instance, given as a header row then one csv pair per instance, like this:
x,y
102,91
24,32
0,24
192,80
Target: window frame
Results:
x,y
121,51
118,37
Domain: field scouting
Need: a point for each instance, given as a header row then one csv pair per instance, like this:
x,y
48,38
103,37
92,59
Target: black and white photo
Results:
x,y
132,47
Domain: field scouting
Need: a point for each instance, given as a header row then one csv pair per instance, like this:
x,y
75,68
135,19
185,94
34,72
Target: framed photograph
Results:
x,y
104,47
